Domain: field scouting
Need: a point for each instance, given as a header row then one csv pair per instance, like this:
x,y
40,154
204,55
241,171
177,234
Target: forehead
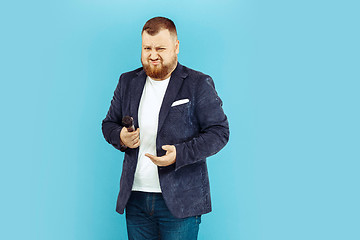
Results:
x,y
163,37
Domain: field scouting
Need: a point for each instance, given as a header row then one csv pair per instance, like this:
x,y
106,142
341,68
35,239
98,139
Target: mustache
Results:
x,y
156,59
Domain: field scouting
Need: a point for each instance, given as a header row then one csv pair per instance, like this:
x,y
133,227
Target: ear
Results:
x,y
177,46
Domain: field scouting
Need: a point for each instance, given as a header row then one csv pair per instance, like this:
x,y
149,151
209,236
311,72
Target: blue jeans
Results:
x,y
147,217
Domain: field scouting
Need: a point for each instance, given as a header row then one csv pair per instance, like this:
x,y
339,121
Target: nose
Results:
x,y
153,55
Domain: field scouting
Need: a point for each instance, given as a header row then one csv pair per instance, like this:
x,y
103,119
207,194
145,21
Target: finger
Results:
x,y
162,159
127,135
133,134
153,158
137,144
168,148
130,135
123,133
123,129
165,147
134,139
137,131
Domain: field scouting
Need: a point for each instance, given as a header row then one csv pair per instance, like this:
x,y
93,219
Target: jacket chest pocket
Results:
x,y
180,109
179,122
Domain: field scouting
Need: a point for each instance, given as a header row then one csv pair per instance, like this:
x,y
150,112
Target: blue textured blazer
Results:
x,y
198,129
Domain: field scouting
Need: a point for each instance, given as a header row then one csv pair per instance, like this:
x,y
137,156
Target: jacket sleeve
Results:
x,y
112,124
214,127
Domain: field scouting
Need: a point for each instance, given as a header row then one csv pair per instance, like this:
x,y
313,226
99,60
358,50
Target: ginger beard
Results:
x,y
159,71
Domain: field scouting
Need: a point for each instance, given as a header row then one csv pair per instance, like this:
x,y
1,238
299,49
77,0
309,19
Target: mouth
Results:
x,y
155,62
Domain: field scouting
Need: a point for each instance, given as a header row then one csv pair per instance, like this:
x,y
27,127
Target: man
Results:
x,y
179,121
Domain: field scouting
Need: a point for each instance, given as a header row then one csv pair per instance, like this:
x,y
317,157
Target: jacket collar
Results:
x,y
175,83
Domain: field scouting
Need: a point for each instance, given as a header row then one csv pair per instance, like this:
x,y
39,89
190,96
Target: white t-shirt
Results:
x,y
146,174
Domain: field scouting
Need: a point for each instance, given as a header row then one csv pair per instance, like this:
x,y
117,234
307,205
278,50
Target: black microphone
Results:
x,y
128,122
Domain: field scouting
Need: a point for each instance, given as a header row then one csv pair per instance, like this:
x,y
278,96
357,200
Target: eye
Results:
x,y
146,48
160,49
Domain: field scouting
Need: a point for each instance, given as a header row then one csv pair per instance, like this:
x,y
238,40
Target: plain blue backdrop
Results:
x,y
287,72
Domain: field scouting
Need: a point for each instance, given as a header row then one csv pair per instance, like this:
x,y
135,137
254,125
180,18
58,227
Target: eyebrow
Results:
x,y
145,45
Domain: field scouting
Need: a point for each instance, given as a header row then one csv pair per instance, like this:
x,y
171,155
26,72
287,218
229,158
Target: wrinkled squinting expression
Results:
x,y
159,54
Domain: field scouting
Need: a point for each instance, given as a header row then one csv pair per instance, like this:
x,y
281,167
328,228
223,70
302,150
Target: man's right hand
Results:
x,y
130,139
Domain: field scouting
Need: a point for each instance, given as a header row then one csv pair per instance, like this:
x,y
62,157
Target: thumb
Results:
x,y
166,147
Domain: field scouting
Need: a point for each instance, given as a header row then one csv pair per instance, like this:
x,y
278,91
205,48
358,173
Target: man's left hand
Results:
x,y
166,160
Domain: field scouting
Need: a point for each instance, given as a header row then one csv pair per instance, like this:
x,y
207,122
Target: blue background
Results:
x,y
287,72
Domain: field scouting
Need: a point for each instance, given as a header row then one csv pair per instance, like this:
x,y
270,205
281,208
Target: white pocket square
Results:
x,y
178,102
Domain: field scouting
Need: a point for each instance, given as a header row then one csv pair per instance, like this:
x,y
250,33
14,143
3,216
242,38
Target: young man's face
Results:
x,y
159,54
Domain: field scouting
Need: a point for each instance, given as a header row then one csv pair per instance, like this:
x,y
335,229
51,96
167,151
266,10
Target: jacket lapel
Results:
x,y
172,90
136,89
